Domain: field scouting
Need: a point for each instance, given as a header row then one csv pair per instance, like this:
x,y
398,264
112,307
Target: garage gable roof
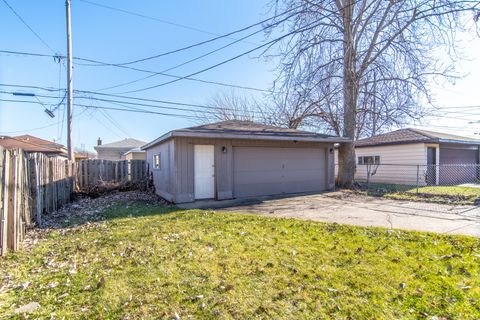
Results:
x,y
237,129
411,135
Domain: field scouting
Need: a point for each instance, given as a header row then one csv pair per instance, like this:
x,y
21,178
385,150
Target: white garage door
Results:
x,y
261,171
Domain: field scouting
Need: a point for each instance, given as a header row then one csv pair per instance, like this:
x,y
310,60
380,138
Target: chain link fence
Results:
x,y
448,183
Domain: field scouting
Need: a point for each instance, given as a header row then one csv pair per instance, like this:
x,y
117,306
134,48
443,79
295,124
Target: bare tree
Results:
x,y
228,105
365,65
286,112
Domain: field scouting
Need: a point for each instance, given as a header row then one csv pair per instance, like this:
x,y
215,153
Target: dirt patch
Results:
x,y
85,211
103,188
456,199
350,195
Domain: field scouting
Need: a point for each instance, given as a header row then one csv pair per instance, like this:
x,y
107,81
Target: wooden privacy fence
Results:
x,y
34,184
31,185
91,173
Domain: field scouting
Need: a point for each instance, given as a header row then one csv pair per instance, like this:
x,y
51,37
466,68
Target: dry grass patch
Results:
x,y
154,262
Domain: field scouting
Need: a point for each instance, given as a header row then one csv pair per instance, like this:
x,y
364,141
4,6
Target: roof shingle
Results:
x,y
237,129
31,144
249,127
128,143
411,135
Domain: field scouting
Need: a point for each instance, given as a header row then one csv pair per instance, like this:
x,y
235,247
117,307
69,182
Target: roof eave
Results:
x,y
113,148
157,141
242,137
391,143
433,140
458,141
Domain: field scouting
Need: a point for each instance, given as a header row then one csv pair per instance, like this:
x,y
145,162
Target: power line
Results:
x,y
181,64
94,98
103,124
270,43
209,109
111,95
149,17
39,128
112,108
28,26
115,123
226,35
135,69
128,102
198,57
144,104
32,129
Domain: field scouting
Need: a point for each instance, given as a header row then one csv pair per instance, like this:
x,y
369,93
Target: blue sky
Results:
x,y
116,37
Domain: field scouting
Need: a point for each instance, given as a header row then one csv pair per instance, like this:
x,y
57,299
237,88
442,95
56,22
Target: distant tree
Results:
x,y
229,105
361,66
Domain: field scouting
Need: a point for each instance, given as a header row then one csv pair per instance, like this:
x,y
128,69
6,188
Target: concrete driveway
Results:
x,y
350,208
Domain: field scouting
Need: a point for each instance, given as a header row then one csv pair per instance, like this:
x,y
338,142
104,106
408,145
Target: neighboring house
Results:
x,y
234,159
441,158
116,150
135,154
30,143
84,155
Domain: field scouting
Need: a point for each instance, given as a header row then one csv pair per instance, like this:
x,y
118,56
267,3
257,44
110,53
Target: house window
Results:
x,y
156,161
369,160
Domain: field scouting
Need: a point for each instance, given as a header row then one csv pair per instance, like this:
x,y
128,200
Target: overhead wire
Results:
x,y
28,26
137,69
168,102
112,108
189,76
150,18
115,123
193,107
39,128
196,58
110,119
103,124
226,35
178,65
128,102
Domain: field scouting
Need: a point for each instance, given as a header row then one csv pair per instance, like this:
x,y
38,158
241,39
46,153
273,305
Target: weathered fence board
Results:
x,y
92,173
32,185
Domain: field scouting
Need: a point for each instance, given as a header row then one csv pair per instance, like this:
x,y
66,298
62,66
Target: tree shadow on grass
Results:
x,y
119,205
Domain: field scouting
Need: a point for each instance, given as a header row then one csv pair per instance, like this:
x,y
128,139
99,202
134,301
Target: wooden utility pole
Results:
x,y
69,83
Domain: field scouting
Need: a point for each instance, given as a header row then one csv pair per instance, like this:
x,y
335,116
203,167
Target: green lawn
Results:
x,y
151,262
439,194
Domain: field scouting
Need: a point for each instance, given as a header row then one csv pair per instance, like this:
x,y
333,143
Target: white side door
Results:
x,y
204,171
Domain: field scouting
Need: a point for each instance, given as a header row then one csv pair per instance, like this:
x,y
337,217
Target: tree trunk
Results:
x,y
346,152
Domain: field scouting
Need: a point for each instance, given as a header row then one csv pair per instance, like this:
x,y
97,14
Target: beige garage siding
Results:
x,y
266,171
184,162
397,163
163,177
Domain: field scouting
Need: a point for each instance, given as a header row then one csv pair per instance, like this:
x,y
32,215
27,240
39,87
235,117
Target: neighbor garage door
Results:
x,y
458,174
261,171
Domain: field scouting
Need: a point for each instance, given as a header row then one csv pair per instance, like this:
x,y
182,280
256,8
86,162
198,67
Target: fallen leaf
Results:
x,y
101,283
28,308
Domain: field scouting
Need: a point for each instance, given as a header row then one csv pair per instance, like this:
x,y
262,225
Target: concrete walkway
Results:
x,y
349,208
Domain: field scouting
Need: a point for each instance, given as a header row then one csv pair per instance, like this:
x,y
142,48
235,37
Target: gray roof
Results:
x,y
410,135
237,129
137,149
128,143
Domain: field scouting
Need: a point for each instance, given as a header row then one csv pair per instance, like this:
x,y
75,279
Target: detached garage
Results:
x,y
236,159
